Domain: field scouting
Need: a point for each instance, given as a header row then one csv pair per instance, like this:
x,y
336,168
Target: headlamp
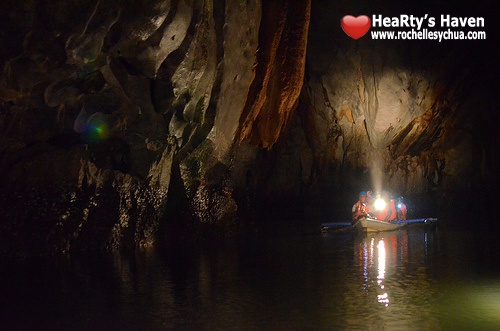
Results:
x,y
379,204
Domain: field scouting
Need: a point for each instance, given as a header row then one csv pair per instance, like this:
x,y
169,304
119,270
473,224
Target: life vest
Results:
x,y
390,209
402,212
361,208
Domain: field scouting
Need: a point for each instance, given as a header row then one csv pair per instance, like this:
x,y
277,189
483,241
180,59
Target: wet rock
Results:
x,y
171,37
241,28
110,114
392,114
279,72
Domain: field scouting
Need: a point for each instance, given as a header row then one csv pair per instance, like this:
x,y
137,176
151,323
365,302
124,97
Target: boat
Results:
x,y
369,224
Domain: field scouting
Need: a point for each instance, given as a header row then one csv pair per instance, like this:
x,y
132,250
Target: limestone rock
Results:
x,y
117,118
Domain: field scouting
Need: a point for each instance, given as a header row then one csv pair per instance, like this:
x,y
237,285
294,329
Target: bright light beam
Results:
x,y
379,204
376,171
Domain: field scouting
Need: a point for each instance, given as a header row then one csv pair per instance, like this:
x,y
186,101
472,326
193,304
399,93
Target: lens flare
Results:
x,y
97,129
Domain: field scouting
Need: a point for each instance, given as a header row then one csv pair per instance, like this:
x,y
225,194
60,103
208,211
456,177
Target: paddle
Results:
x,y
347,228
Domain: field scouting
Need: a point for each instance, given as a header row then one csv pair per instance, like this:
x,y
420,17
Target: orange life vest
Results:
x,y
390,209
361,208
402,212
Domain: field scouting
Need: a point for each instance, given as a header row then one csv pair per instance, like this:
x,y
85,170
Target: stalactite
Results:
x,y
279,73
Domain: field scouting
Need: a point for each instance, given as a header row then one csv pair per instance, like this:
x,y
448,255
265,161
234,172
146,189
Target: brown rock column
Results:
x,y
279,72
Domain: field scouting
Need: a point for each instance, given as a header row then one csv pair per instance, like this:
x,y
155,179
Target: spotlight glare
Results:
x,y
379,204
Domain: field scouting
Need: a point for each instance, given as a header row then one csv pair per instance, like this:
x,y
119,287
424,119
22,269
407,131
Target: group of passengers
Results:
x,y
380,206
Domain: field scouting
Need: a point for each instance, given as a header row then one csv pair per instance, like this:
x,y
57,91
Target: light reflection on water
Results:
x,y
394,288
411,279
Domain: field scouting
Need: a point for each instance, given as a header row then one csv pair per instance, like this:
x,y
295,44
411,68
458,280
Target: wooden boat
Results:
x,y
374,225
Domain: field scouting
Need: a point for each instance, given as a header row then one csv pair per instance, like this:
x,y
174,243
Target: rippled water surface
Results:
x,y
412,279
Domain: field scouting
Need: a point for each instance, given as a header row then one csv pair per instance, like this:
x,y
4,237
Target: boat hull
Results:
x,y
374,225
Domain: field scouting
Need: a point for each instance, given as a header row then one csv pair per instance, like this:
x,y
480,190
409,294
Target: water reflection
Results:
x,y
395,280
402,280
370,257
377,251
382,298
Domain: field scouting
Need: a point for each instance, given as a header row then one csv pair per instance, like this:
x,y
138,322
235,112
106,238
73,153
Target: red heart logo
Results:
x,y
355,27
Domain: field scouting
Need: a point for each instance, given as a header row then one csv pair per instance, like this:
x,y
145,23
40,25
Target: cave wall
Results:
x,y
417,118
118,119
86,152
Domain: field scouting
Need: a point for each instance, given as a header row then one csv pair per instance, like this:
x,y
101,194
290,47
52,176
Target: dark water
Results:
x,y
413,279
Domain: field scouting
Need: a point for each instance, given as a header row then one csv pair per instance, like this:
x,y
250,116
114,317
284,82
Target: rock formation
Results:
x,y
409,116
124,122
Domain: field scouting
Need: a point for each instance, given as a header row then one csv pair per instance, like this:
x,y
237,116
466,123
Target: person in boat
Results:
x,y
401,209
388,213
369,200
360,208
